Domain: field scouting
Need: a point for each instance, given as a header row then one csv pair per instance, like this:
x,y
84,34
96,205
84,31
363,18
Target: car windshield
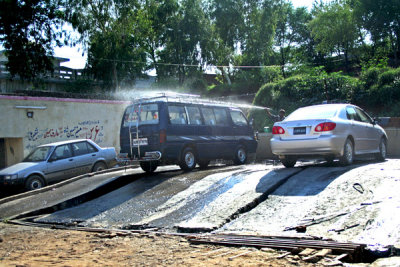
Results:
x,y
38,154
313,113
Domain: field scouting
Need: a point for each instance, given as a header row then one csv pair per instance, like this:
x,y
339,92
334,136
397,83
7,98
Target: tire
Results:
x,y
381,156
149,166
348,153
99,166
34,182
240,155
289,162
188,159
329,160
203,164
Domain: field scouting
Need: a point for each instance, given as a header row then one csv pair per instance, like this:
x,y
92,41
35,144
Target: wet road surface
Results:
x,y
174,199
357,203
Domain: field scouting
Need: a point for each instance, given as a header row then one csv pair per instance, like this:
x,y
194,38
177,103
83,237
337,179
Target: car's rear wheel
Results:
x,y
34,182
99,166
381,156
240,155
149,166
203,163
348,153
188,159
289,162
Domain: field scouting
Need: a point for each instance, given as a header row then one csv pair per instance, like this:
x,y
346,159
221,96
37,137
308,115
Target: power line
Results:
x,y
188,65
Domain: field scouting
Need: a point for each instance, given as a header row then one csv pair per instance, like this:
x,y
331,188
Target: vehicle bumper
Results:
x,y
322,146
11,182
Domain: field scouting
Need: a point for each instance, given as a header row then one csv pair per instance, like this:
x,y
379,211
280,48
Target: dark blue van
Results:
x,y
165,130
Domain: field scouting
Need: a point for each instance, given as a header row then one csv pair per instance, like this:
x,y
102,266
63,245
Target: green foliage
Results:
x,y
303,90
28,29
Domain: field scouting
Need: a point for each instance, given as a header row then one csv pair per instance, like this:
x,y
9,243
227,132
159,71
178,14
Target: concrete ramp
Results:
x,y
192,201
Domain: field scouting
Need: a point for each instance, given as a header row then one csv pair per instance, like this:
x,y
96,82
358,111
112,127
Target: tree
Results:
x,y
335,30
382,19
186,37
28,31
109,29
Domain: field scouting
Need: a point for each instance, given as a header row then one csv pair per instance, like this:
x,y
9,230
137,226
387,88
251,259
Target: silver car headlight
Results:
x,y
11,177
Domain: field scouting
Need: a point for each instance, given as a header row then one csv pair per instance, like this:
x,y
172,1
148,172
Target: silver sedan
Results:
x,y
328,131
58,161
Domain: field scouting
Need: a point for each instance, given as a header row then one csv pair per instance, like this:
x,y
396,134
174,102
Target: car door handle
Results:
x,y
93,155
71,159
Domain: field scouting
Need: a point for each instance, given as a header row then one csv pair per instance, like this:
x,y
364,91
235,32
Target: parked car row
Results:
x,y
161,131
54,162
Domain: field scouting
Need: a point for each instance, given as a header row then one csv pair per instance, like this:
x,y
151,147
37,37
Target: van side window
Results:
x,y
194,115
221,116
209,117
177,115
238,118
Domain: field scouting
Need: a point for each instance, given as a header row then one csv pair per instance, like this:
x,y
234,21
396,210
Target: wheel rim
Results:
x,y
36,184
241,154
349,152
100,168
189,159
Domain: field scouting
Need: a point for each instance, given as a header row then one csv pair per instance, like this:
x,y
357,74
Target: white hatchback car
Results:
x,y
328,131
58,161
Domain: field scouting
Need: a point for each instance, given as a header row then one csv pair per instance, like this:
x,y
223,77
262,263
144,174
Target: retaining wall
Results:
x,y
30,121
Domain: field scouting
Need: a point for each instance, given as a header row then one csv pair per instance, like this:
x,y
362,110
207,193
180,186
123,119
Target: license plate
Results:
x,y
140,142
299,130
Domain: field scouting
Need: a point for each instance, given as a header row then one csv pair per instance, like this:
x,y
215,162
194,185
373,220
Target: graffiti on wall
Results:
x,y
89,129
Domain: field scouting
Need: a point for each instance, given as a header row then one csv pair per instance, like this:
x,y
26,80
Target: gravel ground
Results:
x,y
30,246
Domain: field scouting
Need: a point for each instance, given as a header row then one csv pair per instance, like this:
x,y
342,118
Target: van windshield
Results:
x,y
141,114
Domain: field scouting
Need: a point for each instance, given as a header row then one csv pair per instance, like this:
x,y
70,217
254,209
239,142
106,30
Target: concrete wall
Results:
x,y
56,119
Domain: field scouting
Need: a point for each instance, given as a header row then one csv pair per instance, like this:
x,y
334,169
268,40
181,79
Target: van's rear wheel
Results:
x,y
240,155
149,166
188,159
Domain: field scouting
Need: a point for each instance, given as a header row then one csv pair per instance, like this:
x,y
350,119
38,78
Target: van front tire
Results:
x,y
240,155
188,159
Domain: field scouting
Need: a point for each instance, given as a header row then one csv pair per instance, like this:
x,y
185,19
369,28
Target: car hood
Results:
x,y
16,168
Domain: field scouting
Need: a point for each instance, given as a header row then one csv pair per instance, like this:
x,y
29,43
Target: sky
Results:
x,y
77,60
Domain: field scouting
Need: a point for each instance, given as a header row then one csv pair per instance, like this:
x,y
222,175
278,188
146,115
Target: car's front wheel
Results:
x,y
34,182
149,166
381,156
348,153
289,162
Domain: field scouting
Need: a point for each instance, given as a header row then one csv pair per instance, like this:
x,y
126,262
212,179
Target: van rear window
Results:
x,y
141,114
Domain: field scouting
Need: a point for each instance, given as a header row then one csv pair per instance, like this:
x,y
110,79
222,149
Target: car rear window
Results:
x,y
313,113
141,114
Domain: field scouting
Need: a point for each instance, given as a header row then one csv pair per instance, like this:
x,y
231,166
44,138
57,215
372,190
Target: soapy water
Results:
x,y
136,95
